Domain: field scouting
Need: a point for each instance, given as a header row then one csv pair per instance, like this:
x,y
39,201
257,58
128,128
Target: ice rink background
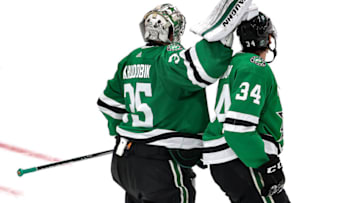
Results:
x,y
56,56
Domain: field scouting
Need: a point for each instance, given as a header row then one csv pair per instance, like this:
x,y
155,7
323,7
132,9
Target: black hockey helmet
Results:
x,y
254,34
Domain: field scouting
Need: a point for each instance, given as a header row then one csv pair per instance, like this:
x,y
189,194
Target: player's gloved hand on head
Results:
x,y
224,19
272,175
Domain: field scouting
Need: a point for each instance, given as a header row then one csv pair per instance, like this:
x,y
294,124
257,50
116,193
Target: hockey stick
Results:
x,y
21,172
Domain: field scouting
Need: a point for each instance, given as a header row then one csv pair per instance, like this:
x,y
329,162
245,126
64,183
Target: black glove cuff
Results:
x,y
271,166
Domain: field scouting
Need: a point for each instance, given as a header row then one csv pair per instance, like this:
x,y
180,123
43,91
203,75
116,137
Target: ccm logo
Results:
x,y
273,168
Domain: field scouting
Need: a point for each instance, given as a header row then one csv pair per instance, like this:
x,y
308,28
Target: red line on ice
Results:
x,y
10,191
27,152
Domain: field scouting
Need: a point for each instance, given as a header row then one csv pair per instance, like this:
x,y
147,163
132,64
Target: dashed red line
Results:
x,y
10,191
27,152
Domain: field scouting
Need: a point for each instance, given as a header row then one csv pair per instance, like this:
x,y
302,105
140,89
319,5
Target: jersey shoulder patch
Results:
x,y
258,61
174,47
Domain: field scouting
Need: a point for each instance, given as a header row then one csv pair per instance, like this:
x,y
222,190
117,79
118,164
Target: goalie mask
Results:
x,y
164,23
255,34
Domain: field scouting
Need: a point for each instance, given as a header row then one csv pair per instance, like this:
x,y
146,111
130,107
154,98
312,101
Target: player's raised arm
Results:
x,y
201,65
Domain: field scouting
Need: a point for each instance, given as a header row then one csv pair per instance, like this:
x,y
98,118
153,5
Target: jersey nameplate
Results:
x,y
136,71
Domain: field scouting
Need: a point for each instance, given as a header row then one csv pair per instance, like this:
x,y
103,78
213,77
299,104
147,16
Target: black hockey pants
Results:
x,y
148,175
241,184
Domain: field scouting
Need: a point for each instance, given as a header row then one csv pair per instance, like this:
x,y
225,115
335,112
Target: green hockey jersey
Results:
x,y
248,121
157,95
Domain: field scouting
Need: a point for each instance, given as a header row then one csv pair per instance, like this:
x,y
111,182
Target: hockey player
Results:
x,y
156,106
243,143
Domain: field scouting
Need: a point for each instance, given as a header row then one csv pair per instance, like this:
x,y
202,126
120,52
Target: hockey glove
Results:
x,y
224,19
272,175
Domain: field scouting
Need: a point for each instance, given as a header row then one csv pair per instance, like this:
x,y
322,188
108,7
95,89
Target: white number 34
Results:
x,y
244,91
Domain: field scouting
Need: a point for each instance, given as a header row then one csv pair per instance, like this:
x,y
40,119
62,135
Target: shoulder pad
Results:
x,y
174,47
258,61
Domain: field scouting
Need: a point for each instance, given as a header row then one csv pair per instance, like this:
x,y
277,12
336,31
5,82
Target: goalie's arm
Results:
x,y
111,102
197,67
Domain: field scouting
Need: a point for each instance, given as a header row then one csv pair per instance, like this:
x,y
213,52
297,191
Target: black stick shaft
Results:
x,y
74,159
23,171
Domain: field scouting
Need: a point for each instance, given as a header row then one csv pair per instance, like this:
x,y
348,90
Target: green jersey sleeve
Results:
x,y
111,102
197,67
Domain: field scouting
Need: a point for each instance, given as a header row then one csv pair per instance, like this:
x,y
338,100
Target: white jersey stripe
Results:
x,y
111,102
242,116
238,128
199,67
179,143
214,143
270,147
171,143
219,157
221,117
145,135
110,113
190,72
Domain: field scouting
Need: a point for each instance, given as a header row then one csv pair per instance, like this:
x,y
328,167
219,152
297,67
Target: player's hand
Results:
x,y
224,19
272,175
